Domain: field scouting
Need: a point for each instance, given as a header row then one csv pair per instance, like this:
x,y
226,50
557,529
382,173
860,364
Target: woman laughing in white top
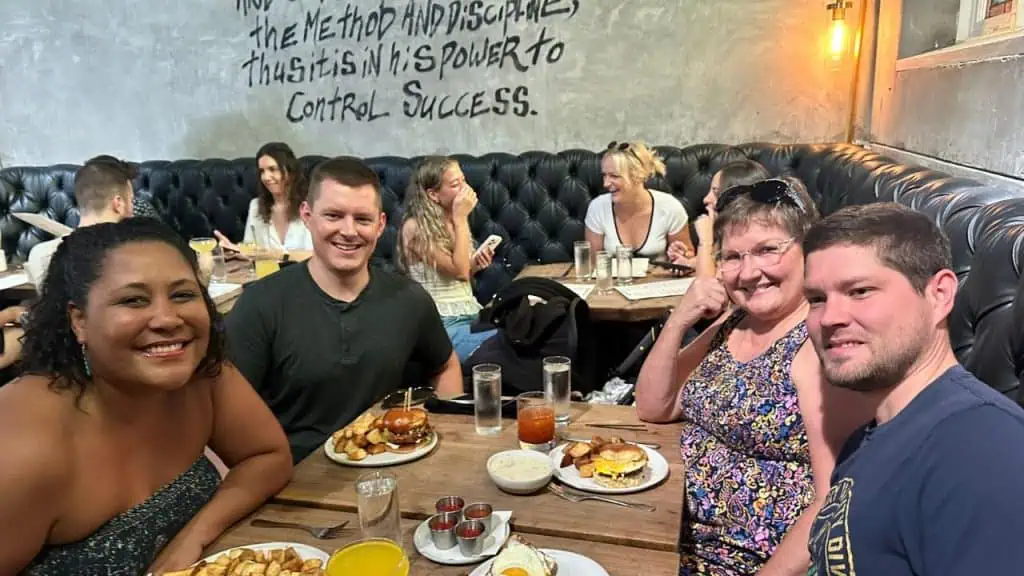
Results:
x,y
631,214
273,221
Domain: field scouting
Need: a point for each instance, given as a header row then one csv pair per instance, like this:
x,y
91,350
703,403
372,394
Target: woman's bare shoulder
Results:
x,y
32,412
35,436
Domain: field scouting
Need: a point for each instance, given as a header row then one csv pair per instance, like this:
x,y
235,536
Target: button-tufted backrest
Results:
x,y
537,202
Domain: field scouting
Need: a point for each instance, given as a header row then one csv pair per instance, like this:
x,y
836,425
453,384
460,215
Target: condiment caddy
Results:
x,y
461,533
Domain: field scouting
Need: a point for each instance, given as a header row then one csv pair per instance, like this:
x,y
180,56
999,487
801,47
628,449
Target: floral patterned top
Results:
x,y
748,464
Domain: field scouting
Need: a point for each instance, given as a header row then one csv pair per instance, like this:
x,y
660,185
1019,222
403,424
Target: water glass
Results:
x,y
624,265
535,419
581,257
377,501
219,272
603,271
487,399
558,386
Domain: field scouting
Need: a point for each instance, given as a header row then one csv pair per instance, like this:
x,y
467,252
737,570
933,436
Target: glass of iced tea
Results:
x,y
535,418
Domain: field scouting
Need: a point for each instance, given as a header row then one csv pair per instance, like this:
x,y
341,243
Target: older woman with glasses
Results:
x,y
758,448
631,214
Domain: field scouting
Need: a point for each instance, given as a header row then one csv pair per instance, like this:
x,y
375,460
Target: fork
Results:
x,y
575,497
320,533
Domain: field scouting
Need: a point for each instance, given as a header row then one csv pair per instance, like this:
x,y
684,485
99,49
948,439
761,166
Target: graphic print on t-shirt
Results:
x,y
831,554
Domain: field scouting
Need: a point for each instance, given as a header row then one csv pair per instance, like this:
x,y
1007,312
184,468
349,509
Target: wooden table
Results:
x,y
612,305
458,467
617,560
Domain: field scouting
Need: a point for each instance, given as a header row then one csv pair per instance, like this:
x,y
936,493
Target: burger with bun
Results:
x,y
407,428
620,465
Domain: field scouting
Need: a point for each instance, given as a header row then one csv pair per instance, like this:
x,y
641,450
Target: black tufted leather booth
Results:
x,y
537,202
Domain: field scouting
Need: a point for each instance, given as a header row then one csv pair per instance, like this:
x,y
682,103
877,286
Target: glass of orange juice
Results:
x,y
370,557
535,419
265,266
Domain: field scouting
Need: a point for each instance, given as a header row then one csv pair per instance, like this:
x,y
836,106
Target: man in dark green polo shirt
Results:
x,y
324,339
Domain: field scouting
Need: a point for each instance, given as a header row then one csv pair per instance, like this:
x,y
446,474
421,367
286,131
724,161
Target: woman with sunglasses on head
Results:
x,y
102,440
273,221
435,247
631,214
739,173
749,390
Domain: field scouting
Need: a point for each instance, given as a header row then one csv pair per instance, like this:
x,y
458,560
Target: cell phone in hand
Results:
x,y
492,242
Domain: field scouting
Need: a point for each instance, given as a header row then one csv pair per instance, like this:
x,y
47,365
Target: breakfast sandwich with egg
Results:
x,y
520,558
620,466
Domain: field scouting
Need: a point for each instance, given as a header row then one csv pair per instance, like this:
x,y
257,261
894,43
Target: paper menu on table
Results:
x,y
582,290
662,289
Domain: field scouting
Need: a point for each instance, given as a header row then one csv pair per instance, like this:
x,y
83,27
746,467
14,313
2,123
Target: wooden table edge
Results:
x,y
617,540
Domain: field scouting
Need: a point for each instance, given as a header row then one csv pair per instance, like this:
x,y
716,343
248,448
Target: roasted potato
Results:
x,y
578,449
566,460
248,562
360,440
587,470
357,454
375,436
376,449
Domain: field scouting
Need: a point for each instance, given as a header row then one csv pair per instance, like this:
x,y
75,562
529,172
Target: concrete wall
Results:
x,y
186,79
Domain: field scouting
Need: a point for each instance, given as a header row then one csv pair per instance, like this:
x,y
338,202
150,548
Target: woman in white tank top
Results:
x,y
630,214
435,247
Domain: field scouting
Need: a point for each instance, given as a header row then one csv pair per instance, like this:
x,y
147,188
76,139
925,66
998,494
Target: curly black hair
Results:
x,y
50,347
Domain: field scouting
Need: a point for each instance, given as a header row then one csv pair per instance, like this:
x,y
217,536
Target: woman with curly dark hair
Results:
x,y
102,464
273,222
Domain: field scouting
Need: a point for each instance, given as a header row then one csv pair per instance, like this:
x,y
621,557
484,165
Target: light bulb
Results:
x,y
838,40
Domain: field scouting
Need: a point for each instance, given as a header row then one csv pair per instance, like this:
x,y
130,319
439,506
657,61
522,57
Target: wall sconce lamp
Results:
x,y
839,37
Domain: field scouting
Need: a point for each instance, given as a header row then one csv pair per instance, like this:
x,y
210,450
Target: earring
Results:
x,y
85,363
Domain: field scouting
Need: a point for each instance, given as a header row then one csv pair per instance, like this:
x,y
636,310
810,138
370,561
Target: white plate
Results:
x,y
492,543
383,459
656,473
569,563
305,552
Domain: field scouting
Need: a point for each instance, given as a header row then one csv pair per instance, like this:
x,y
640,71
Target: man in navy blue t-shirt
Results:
x,y
932,484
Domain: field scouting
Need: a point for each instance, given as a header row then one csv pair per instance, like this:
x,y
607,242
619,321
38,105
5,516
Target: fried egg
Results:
x,y
520,559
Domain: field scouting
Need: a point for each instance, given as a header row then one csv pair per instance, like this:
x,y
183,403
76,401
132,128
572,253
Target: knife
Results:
x,y
650,445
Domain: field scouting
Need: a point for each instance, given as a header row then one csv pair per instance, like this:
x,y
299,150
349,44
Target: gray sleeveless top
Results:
x,y
129,542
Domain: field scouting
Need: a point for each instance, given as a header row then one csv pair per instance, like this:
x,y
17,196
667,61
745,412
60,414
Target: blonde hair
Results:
x,y
635,160
431,220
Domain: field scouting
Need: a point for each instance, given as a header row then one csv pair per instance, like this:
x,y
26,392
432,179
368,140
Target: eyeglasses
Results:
x,y
763,256
773,191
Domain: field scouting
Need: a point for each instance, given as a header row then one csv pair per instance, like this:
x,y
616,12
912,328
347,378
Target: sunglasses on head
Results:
x,y
622,147
772,191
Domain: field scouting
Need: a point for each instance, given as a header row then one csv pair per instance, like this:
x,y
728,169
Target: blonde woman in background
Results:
x,y
436,247
631,214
